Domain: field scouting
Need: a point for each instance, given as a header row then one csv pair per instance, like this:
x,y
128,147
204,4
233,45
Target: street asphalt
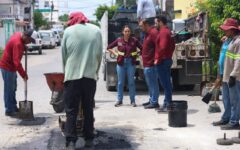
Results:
x,y
117,128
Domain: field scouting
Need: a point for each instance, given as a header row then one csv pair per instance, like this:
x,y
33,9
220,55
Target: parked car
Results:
x,y
37,46
48,39
57,38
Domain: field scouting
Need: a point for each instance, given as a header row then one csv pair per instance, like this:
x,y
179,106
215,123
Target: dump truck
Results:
x,y
191,58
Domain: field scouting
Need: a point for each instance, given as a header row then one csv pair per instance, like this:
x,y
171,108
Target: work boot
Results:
x,y
230,127
162,110
133,104
118,103
145,104
70,145
219,123
12,114
150,106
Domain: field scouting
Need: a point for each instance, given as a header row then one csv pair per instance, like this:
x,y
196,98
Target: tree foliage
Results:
x,y
102,8
218,11
63,18
39,20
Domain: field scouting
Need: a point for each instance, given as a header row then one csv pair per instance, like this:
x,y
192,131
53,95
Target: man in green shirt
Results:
x,y
81,55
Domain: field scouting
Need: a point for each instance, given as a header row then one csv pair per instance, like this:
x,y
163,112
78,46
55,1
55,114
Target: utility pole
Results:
x,y
52,8
125,3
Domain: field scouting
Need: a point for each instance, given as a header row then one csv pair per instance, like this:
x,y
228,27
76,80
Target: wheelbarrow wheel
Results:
x,y
58,108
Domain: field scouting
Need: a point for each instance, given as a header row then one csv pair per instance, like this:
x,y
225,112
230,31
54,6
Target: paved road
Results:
x,y
118,128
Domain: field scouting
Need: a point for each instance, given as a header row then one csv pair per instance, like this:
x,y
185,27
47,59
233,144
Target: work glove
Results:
x,y
232,81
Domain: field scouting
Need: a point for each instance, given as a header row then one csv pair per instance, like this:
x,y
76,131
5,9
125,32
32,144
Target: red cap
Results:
x,y
230,23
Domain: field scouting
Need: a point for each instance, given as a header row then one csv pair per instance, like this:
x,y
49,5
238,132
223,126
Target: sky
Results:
x,y
88,7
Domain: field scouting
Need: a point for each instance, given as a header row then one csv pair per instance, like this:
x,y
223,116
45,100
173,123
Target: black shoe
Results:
x,y
219,123
11,114
118,103
230,127
162,110
134,104
70,145
145,104
150,106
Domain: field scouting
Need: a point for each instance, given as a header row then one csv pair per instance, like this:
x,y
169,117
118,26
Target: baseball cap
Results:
x,y
31,34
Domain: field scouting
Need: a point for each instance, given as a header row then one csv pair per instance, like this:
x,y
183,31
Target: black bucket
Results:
x,y
177,114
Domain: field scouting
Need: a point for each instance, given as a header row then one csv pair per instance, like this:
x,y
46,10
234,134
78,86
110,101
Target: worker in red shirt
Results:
x,y
10,63
148,52
165,46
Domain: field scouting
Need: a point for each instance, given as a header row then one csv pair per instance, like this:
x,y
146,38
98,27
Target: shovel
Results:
x,y
214,107
206,98
26,107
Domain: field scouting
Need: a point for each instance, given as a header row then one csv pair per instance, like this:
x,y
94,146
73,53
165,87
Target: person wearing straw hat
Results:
x,y
231,73
10,63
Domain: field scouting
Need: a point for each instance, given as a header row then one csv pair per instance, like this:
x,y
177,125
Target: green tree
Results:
x,y
63,18
218,11
102,8
39,20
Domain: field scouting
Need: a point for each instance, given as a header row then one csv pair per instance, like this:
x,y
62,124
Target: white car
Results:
x,y
37,46
57,38
48,39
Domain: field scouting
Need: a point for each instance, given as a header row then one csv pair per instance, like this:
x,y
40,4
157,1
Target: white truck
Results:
x,y
191,58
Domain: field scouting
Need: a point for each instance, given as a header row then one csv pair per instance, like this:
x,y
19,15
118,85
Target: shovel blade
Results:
x,y
26,110
207,98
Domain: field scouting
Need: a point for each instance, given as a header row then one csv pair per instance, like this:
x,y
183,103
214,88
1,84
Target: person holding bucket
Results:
x,y
10,63
126,63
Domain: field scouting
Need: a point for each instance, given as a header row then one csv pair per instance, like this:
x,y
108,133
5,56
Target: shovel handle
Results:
x,y
25,81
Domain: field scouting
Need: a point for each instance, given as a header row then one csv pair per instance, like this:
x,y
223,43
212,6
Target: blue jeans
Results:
x,y
226,102
164,75
128,68
10,87
234,93
150,74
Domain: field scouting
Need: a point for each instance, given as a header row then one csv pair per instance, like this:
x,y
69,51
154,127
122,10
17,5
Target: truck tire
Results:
x,y
104,74
40,51
111,88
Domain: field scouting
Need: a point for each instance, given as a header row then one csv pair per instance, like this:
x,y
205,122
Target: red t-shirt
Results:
x,y
165,45
149,47
12,55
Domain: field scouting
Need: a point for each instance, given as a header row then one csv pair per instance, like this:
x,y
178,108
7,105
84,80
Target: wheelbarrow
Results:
x,y
55,83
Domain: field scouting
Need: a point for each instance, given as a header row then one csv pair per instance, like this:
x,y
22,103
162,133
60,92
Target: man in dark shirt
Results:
x,y
148,51
165,46
10,63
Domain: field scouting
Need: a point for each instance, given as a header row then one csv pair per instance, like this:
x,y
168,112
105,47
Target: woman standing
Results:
x,y
126,63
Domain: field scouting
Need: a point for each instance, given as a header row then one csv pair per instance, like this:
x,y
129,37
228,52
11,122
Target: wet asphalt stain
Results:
x,y
110,141
34,122
103,141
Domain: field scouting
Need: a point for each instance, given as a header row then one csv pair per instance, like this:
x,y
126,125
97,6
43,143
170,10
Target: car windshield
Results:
x,y
45,35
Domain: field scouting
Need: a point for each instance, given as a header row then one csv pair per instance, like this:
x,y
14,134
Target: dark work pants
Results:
x,y
75,91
